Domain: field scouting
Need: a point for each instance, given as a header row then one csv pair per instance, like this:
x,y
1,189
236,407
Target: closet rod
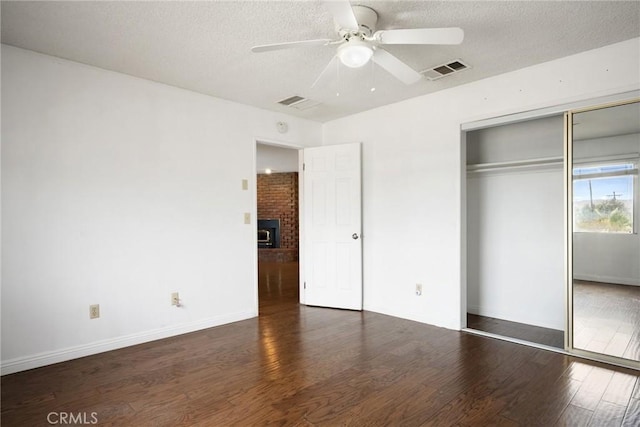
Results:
x,y
543,161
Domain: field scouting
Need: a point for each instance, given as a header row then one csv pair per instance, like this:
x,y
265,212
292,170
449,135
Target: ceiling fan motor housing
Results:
x,y
367,19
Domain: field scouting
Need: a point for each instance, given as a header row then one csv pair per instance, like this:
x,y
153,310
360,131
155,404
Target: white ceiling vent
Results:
x,y
298,102
446,69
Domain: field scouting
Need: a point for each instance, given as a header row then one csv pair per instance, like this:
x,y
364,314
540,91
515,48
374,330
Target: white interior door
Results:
x,y
332,226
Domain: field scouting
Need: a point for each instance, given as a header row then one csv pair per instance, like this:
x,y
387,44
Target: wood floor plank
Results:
x,y
632,414
592,389
620,388
579,371
574,416
549,407
475,407
414,407
395,401
608,414
535,385
308,366
636,390
607,318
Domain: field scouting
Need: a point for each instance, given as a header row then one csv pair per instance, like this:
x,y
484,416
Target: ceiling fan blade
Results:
x,y
395,67
327,68
290,45
451,35
342,14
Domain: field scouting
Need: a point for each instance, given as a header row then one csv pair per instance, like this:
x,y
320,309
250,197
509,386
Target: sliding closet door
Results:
x,y
604,244
515,250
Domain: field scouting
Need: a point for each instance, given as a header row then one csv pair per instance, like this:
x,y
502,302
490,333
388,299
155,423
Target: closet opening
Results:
x,y
515,231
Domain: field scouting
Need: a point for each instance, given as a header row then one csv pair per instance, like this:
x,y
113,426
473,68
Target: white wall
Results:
x,y
530,139
516,246
278,159
413,169
118,191
608,257
515,225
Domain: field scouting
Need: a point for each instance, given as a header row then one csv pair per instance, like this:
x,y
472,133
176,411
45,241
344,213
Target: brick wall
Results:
x,y
278,199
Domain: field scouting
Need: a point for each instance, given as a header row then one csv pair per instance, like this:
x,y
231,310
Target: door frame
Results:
x,y
254,212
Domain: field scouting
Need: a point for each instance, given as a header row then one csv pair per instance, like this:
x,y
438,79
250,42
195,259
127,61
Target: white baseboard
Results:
x,y
69,353
410,316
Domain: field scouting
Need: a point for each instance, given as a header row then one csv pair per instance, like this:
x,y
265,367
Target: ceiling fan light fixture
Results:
x,y
355,53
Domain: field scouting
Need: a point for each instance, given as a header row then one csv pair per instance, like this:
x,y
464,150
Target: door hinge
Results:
x,y
304,166
305,285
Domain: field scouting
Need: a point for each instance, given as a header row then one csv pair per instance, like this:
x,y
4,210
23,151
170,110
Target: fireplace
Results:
x,y
268,233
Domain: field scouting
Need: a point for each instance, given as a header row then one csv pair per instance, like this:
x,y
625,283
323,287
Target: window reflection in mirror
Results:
x,y
603,197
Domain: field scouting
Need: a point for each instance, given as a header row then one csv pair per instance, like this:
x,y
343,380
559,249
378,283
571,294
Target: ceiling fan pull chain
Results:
x,y
373,77
337,78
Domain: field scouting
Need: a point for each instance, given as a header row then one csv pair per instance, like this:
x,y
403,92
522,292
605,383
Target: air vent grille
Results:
x,y
291,100
298,102
446,69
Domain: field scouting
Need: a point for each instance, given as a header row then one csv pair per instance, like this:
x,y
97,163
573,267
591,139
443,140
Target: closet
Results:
x,y
515,230
551,251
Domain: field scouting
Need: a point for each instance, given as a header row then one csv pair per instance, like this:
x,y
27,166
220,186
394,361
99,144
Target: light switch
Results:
x,y
245,184
247,218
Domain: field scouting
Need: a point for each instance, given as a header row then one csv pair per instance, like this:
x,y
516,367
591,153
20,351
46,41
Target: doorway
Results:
x,y
277,224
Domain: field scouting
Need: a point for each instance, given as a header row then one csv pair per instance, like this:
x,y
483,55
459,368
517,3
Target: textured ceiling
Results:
x,y
205,46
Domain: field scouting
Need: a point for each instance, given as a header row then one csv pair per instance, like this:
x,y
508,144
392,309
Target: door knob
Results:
x,y
355,236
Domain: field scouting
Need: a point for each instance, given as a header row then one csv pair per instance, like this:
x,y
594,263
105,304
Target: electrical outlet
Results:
x,y
245,184
247,218
418,289
94,311
175,299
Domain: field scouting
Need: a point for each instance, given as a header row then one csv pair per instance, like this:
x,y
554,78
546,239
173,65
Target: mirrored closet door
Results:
x,y
603,153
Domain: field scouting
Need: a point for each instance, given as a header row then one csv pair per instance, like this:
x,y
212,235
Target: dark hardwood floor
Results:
x,y
535,334
278,287
307,366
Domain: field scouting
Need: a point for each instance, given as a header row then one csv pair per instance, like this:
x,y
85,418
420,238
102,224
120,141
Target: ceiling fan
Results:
x,y
359,42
